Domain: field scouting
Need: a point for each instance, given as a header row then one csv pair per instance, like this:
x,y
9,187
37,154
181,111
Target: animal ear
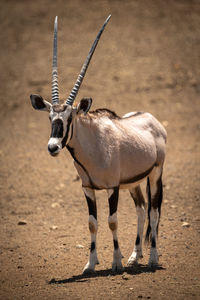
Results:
x,y
84,105
39,103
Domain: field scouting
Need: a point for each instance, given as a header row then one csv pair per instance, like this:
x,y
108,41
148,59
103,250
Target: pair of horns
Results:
x,y
74,92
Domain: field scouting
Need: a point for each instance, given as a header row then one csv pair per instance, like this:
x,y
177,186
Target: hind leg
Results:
x,y
138,198
155,195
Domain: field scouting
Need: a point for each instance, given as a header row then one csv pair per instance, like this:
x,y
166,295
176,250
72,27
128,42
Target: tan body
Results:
x,y
109,153
116,151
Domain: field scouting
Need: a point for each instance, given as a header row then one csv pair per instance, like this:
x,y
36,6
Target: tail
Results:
x,y
158,199
148,232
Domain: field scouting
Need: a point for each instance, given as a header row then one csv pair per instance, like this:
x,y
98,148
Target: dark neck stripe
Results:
x,y
71,150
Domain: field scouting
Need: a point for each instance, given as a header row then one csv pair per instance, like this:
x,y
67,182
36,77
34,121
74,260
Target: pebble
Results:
x,y
22,223
173,206
125,277
185,224
79,246
165,123
53,227
55,204
20,267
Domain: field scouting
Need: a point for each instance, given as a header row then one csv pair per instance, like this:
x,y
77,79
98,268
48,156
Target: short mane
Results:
x,y
105,112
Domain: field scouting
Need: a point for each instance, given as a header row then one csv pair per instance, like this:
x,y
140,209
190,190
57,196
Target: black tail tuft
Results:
x,y
160,198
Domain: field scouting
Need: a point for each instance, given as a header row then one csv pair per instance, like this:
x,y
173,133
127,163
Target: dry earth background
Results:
x,y
148,60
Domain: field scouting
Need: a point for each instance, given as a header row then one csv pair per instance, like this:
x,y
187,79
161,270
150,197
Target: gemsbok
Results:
x,y
111,153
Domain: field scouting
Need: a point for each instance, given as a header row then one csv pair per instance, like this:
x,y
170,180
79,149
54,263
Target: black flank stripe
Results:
x,y
138,177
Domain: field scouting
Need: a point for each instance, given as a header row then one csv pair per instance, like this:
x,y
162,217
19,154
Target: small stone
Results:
x,y
53,227
125,277
79,246
130,289
22,223
55,204
77,178
165,123
20,267
173,206
185,224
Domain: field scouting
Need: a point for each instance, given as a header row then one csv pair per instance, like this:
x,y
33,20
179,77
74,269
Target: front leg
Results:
x,y
91,202
138,198
113,195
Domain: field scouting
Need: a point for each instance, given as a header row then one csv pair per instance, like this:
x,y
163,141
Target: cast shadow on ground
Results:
x,y
136,270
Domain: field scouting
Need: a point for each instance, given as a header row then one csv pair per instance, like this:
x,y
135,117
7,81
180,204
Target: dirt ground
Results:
x,y
148,59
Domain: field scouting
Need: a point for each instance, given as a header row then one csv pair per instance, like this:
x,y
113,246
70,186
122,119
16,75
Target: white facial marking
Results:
x,y
53,142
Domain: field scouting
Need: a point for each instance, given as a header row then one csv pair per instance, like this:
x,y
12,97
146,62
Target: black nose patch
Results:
x,y
57,129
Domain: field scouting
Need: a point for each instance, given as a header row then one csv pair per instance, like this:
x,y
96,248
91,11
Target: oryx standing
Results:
x,y
109,153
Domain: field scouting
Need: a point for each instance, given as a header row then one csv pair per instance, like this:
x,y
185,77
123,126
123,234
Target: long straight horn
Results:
x,y
79,80
55,91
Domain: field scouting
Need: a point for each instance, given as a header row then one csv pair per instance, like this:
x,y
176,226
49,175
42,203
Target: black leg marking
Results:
x,y
156,203
116,245
92,247
113,201
153,243
137,242
138,197
91,207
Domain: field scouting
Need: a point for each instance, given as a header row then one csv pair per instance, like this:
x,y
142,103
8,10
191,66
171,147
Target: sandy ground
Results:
x,y
147,60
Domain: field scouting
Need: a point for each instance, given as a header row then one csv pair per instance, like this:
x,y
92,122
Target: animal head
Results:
x,y
61,115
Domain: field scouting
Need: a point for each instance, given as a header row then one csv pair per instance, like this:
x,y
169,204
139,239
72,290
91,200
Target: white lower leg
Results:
x,y
154,217
93,260
137,252
117,256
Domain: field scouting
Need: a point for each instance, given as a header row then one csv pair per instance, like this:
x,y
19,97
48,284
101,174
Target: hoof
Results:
x,y
88,271
117,267
153,259
133,259
152,265
90,267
